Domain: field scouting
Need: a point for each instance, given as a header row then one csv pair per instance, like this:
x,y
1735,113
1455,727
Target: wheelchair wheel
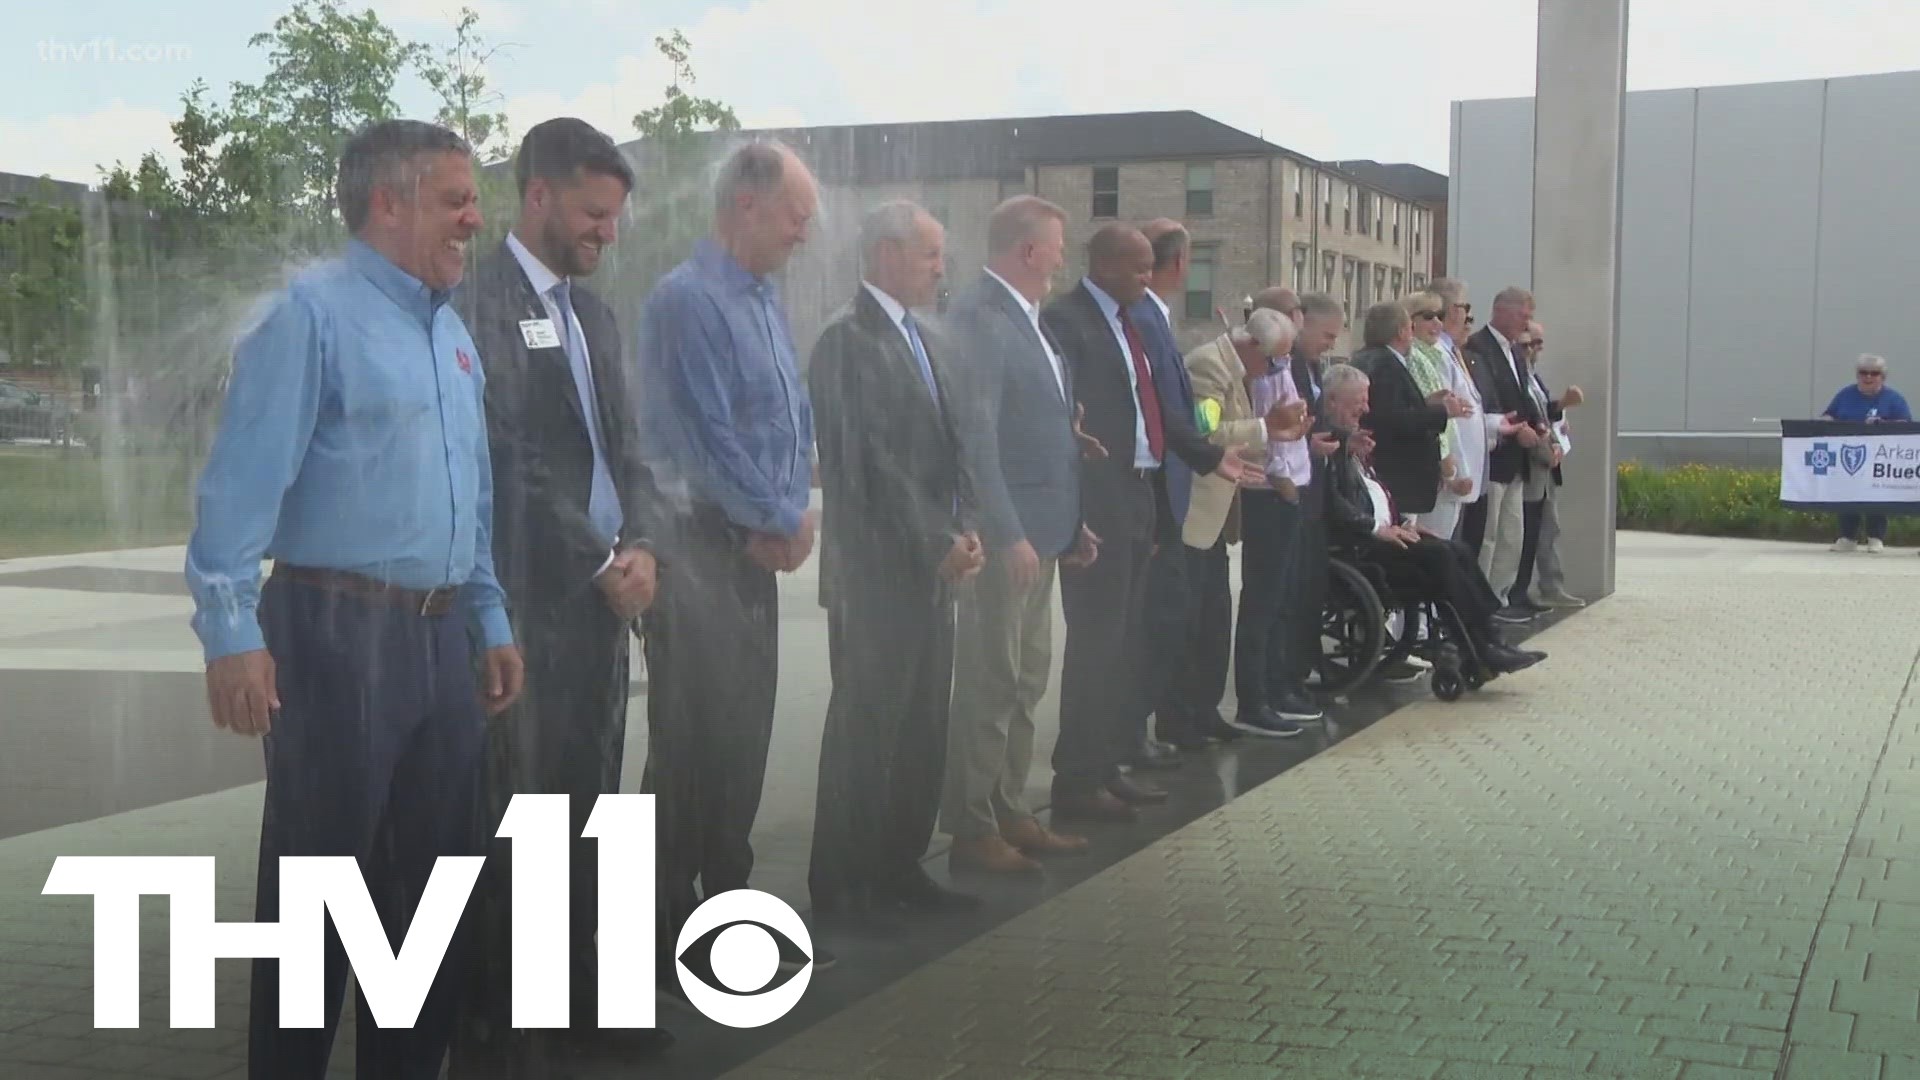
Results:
x,y
1352,629
1447,685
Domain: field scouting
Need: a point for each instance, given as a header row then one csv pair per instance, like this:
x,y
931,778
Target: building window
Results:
x,y
1379,220
1346,290
1326,200
1346,205
1200,189
1365,201
1200,285
1419,229
1106,191
1300,269
1399,284
1299,194
1329,265
1380,283
1396,224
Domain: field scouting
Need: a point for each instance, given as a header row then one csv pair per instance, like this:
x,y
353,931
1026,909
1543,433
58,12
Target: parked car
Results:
x,y
30,414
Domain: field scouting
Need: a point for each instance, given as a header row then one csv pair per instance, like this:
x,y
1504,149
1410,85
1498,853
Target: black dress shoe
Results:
x,y
1135,793
1506,660
1151,756
1185,737
1217,729
917,892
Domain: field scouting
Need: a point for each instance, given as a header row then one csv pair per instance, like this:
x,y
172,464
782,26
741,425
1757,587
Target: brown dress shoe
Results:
x,y
990,855
1092,804
1036,839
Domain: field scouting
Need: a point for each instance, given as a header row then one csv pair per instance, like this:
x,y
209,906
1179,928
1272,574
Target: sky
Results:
x,y
91,82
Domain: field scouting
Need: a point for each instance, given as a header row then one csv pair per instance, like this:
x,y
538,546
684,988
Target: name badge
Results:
x,y
539,334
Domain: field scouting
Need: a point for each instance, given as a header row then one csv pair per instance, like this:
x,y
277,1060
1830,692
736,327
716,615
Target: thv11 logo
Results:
x,y
728,956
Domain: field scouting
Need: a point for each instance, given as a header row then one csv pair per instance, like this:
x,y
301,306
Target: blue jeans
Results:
x,y
1850,526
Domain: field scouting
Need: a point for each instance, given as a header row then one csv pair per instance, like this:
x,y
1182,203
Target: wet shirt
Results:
x,y
726,413
354,438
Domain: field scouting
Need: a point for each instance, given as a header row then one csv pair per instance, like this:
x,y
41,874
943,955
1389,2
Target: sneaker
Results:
x,y
1875,545
1398,671
1514,615
1269,723
1843,544
1558,599
1297,706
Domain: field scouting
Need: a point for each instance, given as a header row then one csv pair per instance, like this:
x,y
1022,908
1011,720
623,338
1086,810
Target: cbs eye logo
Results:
x,y
744,958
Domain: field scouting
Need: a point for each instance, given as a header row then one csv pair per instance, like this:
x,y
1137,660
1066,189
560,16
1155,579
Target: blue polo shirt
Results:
x,y
1850,404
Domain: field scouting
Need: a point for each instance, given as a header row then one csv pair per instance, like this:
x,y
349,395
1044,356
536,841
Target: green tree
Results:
x,y
43,295
458,76
671,207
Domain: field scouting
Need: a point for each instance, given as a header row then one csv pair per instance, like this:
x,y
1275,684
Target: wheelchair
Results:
x,y
1364,625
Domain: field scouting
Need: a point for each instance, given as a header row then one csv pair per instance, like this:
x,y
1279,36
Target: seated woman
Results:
x,y
1868,399
1417,563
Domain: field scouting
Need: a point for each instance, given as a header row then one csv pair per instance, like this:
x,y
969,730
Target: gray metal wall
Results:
x,y
1768,237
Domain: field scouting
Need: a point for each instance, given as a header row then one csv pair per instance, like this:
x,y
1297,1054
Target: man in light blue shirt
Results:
x,y
729,434
353,452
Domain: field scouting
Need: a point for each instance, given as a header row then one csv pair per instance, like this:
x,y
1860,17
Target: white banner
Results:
x,y
1829,465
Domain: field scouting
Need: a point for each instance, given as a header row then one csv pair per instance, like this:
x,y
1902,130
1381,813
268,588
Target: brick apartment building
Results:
x,y
1260,214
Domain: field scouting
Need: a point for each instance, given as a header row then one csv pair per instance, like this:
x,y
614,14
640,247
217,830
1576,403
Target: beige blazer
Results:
x,y
1218,374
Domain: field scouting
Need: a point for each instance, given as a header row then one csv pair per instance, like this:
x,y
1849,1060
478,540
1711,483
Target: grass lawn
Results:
x,y
58,501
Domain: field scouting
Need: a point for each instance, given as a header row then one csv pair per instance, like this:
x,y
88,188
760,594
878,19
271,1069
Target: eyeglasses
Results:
x,y
1871,374
1426,314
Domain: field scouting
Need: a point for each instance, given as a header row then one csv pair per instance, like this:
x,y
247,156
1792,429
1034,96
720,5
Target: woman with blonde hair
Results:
x,y
1435,371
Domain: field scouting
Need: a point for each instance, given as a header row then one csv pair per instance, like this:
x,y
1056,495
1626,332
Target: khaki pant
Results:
x,y
1506,532
1003,654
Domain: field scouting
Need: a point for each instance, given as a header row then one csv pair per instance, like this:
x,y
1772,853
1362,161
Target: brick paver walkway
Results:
x,y
1687,847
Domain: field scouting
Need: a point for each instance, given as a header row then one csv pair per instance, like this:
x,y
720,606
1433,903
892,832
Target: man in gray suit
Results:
x,y
1022,445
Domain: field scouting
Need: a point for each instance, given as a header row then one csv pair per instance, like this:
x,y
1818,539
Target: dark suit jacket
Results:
x,y
1176,395
1015,423
1102,385
896,491
1406,431
544,550
1500,392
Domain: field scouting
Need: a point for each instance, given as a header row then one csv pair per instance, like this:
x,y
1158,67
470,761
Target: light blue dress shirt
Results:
x,y
1142,451
726,414
353,438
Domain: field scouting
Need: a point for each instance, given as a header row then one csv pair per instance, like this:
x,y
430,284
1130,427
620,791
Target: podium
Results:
x,y
1840,467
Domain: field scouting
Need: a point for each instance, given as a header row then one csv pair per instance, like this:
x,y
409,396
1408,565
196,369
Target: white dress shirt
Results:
x,y
1033,316
1142,452
894,309
543,281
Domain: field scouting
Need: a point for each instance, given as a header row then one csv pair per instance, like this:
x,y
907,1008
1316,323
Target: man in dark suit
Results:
x,y
1014,395
1405,424
573,526
1173,576
1102,694
897,538
1501,373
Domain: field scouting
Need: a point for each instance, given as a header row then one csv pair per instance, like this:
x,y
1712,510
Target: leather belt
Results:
x,y
425,602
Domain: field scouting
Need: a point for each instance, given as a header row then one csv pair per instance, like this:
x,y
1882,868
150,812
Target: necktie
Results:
x,y
1149,394
920,356
603,500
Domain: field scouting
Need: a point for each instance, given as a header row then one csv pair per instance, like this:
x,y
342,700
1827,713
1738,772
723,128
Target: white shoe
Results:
x,y
1875,545
1843,544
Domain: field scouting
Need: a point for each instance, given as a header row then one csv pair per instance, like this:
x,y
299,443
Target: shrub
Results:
x,y
1710,500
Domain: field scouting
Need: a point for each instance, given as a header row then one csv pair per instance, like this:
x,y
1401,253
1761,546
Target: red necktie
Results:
x,y
1149,394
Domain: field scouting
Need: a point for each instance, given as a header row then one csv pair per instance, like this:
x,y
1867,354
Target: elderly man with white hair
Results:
x,y
1869,399
1227,374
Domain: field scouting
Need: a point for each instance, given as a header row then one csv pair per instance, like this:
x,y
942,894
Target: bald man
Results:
x,y
1124,498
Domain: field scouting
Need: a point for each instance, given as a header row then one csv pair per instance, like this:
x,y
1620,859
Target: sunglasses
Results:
x,y
1426,314
1871,374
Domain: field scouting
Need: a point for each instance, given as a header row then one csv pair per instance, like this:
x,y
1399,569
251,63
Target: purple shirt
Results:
x,y
1285,459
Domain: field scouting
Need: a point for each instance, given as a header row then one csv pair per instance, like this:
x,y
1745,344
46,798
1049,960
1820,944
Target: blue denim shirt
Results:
x,y
725,411
353,438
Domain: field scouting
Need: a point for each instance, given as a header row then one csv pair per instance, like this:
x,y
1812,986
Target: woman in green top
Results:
x,y
1428,364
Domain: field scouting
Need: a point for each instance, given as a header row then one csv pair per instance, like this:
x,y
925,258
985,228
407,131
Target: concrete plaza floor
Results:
x,y
1688,846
